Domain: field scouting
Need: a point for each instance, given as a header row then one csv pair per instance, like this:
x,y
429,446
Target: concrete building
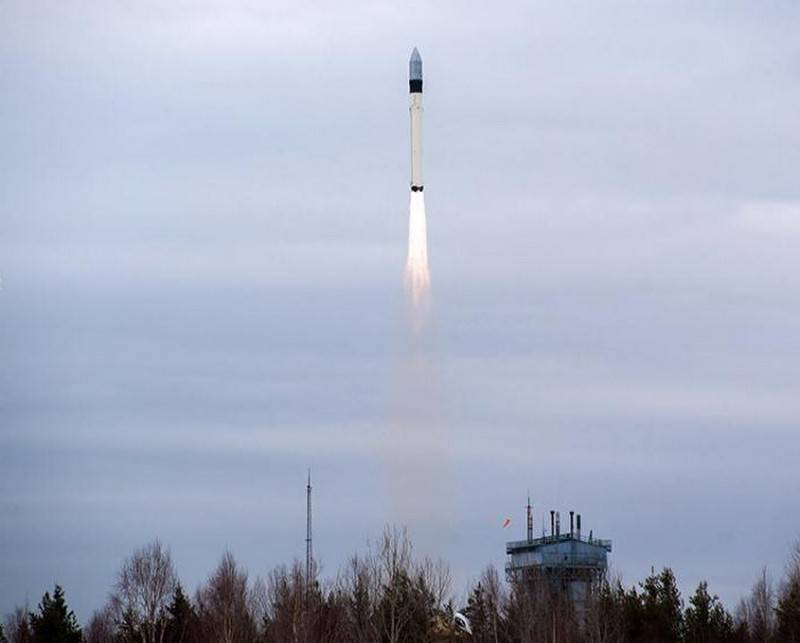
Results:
x,y
567,562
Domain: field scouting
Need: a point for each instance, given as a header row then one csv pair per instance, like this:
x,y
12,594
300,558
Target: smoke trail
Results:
x,y
417,276
417,448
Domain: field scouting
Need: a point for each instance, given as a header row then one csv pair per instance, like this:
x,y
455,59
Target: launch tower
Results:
x,y
568,563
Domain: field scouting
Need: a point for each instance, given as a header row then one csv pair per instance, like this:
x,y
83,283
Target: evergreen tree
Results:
x,y
55,622
655,615
2,635
407,609
633,617
706,620
788,611
478,613
423,610
484,608
181,618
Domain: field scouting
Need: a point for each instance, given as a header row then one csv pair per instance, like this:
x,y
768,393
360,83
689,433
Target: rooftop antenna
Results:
x,y
309,551
530,519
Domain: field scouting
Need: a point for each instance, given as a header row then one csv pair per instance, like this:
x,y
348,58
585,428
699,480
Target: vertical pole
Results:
x,y
309,552
309,563
530,520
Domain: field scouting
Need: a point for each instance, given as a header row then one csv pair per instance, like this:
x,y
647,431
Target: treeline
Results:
x,y
388,595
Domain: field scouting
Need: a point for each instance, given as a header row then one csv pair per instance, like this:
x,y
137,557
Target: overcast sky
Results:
x,y
203,211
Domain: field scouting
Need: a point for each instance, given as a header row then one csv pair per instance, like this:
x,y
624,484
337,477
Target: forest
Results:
x,y
388,594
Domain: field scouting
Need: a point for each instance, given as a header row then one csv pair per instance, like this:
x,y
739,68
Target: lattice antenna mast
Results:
x,y
530,519
309,550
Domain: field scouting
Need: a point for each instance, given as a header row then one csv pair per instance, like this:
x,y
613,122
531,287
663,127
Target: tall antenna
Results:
x,y
530,519
309,551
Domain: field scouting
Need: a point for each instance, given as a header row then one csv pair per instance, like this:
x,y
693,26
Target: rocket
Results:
x,y
415,108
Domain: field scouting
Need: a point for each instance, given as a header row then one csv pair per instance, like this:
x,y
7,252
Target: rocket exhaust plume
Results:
x,y
417,276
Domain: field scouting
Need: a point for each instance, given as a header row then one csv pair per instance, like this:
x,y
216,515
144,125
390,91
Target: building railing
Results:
x,y
547,540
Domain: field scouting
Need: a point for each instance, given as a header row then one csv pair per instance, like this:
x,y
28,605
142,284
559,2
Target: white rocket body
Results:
x,y
416,140
415,108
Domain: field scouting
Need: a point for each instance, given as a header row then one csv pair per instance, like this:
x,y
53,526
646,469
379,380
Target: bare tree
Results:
x,y
788,609
286,603
436,576
603,619
224,604
412,598
741,618
524,610
258,602
144,588
392,568
496,597
18,628
761,608
793,564
539,609
101,627
358,585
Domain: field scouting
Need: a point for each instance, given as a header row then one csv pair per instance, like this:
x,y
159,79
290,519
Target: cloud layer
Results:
x,y
204,224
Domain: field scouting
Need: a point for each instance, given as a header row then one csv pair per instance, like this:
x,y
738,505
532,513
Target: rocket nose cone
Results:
x,y
415,66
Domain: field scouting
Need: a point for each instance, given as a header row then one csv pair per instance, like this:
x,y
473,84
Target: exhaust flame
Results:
x,y
417,276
